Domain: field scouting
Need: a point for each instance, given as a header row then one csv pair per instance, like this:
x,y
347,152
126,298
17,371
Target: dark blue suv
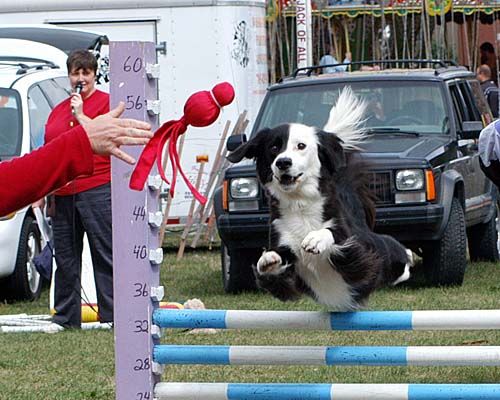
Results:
x,y
424,120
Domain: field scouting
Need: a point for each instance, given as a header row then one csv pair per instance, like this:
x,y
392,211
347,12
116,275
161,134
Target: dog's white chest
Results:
x,y
293,229
296,221
315,269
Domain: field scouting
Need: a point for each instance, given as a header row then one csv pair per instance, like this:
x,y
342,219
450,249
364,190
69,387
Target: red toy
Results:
x,y
201,109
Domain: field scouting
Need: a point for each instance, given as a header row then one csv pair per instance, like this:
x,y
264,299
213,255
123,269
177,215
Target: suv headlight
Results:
x,y
244,188
410,179
411,184
244,195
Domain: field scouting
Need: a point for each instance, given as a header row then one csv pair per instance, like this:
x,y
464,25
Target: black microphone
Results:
x,y
78,89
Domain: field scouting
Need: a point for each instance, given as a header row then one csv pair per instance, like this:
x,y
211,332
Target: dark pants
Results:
x,y
86,212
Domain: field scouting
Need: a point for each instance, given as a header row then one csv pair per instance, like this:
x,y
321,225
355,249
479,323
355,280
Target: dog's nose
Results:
x,y
284,163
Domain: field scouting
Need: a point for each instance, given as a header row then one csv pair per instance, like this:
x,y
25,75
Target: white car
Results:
x,y
30,86
33,79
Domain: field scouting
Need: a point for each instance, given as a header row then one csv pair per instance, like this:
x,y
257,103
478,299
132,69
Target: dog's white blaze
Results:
x,y
305,162
302,158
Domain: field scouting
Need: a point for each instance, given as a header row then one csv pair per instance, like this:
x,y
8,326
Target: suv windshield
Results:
x,y
392,106
10,124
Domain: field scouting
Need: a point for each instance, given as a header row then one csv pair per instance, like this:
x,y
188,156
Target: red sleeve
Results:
x,y
29,178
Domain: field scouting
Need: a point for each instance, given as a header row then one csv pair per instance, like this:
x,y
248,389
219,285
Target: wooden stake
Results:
x,y
209,237
202,160
215,166
211,219
218,167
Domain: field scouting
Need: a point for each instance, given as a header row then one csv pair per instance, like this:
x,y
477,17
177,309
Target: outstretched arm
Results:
x,y
29,178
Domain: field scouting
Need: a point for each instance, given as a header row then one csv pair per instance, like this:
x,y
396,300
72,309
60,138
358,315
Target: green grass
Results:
x,y
80,364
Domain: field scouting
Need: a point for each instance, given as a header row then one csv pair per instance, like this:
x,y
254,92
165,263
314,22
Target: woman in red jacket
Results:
x,y
84,205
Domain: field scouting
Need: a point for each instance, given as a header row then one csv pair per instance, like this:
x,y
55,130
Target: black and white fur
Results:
x,y
322,213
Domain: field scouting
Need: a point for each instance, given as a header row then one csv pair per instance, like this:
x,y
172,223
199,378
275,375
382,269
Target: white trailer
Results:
x,y
204,41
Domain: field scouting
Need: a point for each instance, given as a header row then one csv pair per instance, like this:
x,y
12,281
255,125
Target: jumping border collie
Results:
x,y
321,240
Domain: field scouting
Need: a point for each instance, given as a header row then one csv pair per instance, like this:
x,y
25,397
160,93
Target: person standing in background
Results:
x,y
490,90
329,59
83,205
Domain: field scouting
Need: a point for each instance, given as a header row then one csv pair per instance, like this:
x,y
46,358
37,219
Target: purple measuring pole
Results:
x,y
136,255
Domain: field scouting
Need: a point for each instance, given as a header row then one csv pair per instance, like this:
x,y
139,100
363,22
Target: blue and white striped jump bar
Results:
x,y
312,391
340,321
321,355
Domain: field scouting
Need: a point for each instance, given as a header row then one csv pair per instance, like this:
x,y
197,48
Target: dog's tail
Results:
x,y
346,119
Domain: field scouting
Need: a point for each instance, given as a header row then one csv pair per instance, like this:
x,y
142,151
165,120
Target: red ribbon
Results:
x,y
169,132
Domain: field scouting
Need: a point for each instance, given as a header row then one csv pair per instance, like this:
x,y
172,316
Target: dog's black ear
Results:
x,y
331,152
248,149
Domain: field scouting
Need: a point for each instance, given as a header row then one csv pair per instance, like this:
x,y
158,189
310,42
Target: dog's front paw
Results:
x,y
270,263
317,242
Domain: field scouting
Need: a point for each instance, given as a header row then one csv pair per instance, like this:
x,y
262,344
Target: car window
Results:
x,y
468,103
457,101
38,110
63,81
56,90
480,101
10,123
404,105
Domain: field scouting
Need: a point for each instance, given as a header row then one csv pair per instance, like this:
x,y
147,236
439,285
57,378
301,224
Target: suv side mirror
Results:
x,y
235,141
471,129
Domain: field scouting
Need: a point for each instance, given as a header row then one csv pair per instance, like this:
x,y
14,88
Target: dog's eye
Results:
x,y
274,149
301,146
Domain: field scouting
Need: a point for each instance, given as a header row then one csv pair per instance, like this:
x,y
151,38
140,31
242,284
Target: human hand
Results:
x,y
77,104
108,132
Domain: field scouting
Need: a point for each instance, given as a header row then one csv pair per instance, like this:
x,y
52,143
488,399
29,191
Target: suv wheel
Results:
x,y
445,260
237,270
25,282
483,240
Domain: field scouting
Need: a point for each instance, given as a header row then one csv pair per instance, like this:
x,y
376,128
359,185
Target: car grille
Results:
x,y
380,186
